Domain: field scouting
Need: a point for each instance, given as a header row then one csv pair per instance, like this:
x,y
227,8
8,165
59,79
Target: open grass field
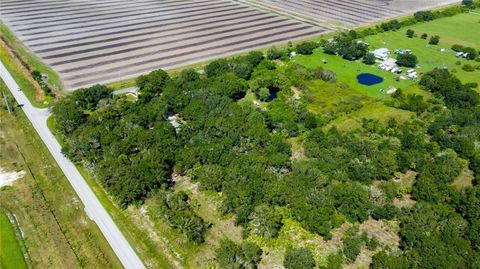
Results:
x,y
56,231
463,29
429,56
11,255
347,72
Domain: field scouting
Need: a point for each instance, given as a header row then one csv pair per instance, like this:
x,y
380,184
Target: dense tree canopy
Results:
x,y
228,144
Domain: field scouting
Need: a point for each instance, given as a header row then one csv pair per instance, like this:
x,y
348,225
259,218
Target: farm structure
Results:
x,y
88,41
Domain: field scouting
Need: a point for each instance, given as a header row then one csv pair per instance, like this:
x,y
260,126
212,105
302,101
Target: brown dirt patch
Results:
x,y
23,67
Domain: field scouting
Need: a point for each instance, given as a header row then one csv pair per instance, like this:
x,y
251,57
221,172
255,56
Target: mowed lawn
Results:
x,y
11,256
461,29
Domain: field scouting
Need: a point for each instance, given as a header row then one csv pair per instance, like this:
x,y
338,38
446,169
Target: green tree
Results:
x,y
410,33
306,48
274,53
369,59
381,260
407,60
68,116
264,221
434,40
264,94
298,258
217,67
152,84
423,15
245,256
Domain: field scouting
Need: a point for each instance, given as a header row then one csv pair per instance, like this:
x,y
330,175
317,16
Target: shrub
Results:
x,y
369,59
423,15
274,54
306,48
424,36
410,33
300,258
472,85
468,68
434,40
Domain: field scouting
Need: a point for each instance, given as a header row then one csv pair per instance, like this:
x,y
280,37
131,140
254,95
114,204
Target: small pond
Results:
x,y
369,79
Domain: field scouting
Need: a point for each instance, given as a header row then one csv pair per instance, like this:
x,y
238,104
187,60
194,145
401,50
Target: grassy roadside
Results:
x,y
29,58
57,232
21,76
11,255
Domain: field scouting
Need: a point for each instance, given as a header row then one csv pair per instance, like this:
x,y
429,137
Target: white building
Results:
x,y
381,53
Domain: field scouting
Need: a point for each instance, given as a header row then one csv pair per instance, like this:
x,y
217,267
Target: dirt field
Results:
x,y
353,12
88,41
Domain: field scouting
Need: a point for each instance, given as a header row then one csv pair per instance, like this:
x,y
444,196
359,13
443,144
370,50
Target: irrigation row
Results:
x,y
88,41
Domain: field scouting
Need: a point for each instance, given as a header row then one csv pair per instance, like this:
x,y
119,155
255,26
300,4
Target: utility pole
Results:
x,y
5,97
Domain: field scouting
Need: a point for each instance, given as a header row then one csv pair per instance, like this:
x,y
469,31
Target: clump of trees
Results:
x,y
423,15
369,59
434,40
174,208
231,255
392,25
228,145
410,33
306,48
407,60
471,52
299,258
346,46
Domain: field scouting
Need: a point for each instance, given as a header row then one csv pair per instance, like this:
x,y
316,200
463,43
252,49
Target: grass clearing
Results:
x,y
11,255
465,179
429,56
372,110
326,97
58,233
207,206
347,72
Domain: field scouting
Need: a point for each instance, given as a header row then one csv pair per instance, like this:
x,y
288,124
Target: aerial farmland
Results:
x,y
88,42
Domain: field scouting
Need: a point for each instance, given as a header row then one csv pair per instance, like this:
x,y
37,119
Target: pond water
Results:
x,y
273,95
369,79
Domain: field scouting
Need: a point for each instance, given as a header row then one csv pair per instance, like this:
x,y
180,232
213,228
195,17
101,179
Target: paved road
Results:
x,y
93,208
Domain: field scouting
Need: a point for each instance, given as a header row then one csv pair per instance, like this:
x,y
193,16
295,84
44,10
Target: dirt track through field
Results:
x,y
89,41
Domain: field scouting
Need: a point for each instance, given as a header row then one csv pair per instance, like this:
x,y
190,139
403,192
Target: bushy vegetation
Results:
x,y
241,150
243,256
407,60
300,258
346,46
